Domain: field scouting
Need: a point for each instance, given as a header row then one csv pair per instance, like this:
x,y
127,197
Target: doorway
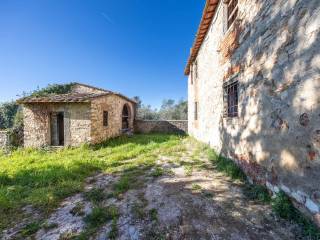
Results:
x,y
125,117
57,128
60,128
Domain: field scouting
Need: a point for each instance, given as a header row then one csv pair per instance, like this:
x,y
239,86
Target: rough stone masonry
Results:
x,y
272,51
90,115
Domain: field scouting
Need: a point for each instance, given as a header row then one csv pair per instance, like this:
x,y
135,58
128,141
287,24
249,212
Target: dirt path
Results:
x,y
174,200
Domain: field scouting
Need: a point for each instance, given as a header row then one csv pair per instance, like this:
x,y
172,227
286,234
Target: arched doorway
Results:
x,y
125,117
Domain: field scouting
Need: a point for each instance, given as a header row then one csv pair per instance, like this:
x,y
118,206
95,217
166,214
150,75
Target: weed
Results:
x,y
121,186
257,192
78,210
114,229
47,226
188,170
153,213
30,229
227,166
70,236
95,195
157,172
137,210
196,187
284,208
100,215
96,219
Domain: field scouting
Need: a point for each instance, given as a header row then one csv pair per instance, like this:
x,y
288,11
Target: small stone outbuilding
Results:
x,y
84,115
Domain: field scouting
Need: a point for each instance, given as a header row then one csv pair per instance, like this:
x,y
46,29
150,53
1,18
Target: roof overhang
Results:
x,y
207,16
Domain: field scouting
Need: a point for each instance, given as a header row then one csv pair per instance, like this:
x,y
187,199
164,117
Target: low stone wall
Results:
x,y
4,140
162,126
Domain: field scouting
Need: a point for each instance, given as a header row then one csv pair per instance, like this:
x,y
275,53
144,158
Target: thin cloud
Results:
x,y
106,17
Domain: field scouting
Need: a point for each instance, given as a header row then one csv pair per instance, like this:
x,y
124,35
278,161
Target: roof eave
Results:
x,y
207,16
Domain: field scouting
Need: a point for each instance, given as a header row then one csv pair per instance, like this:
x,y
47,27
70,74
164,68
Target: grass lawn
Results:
x,y
42,179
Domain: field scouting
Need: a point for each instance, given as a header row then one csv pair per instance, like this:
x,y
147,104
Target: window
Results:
x,y
232,11
105,118
231,99
195,70
191,75
196,111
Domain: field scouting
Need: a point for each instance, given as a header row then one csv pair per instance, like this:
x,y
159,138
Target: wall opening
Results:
x,y
125,117
60,123
57,129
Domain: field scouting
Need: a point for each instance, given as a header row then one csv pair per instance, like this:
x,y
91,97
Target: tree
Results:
x,y
8,111
169,110
138,100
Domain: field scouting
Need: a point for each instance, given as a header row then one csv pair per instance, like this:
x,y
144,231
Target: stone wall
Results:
x,y
274,51
170,126
3,139
37,125
113,104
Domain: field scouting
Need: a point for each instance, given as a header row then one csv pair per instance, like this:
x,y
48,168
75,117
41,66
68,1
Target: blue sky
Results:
x,y
136,47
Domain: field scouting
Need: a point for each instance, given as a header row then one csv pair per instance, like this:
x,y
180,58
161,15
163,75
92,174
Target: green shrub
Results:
x,y
53,89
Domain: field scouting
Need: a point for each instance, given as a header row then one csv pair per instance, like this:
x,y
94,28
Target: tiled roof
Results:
x,y
207,16
63,98
72,97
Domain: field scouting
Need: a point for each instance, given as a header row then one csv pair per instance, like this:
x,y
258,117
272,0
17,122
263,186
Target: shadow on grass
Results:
x,y
42,178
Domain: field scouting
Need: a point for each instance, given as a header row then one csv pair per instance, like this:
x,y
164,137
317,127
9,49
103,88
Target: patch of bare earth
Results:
x,y
181,202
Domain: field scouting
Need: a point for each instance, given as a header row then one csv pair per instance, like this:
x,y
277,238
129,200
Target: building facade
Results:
x,y
85,115
254,91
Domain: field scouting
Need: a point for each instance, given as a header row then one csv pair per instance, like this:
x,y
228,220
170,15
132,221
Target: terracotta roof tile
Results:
x,y
63,98
207,16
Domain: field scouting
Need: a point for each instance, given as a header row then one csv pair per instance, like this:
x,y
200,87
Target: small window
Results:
x,y
105,118
196,111
195,70
231,99
232,12
191,75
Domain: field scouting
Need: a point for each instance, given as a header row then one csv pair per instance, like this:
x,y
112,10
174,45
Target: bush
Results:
x,y
53,89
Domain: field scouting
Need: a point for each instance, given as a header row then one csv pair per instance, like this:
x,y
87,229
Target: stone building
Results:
x,y
84,115
254,91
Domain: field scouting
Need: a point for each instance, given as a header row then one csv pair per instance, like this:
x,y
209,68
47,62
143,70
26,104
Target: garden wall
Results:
x,y
163,126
